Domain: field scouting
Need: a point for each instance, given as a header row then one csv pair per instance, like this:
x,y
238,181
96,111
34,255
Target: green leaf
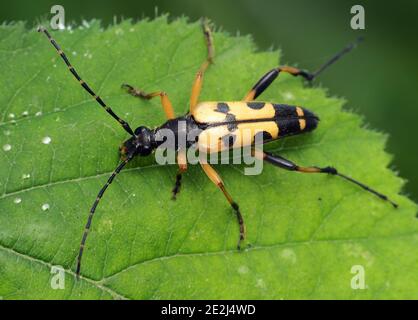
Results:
x,y
306,231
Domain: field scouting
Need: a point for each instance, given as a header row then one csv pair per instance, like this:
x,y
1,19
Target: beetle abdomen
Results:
x,y
293,120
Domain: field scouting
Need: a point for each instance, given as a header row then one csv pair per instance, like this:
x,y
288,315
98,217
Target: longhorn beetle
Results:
x,y
219,120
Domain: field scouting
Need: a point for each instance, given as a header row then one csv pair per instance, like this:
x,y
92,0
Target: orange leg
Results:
x,y
167,106
182,163
216,179
197,84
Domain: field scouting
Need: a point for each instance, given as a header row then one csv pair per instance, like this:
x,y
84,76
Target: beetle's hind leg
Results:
x,y
216,179
267,79
291,166
165,101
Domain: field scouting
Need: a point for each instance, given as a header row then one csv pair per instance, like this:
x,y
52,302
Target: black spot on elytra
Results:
x,y
229,140
222,107
288,127
231,122
255,105
264,134
284,111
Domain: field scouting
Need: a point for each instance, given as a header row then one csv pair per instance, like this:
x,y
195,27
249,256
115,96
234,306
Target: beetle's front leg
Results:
x,y
165,101
182,163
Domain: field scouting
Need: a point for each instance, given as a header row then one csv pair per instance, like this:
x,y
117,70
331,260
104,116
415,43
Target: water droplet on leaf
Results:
x,y
7,147
46,140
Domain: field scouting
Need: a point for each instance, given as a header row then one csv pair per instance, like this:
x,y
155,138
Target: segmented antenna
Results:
x,y
123,123
93,210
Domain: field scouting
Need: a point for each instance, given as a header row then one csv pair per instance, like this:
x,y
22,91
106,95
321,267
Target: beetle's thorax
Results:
x,y
176,133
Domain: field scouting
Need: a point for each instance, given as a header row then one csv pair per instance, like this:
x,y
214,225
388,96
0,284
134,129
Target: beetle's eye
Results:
x,y
138,131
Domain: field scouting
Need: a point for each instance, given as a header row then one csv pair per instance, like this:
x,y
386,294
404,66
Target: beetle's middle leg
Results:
x,y
165,101
197,84
216,179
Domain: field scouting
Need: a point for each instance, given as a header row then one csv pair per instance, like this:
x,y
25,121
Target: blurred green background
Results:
x,y
379,79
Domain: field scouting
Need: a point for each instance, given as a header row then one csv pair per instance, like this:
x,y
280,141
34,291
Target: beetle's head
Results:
x,y
139,144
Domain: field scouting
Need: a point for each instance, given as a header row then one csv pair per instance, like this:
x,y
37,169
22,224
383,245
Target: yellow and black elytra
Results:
x,y
221,121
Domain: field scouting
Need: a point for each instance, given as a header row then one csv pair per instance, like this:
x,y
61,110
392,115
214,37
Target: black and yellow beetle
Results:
x,y
222,121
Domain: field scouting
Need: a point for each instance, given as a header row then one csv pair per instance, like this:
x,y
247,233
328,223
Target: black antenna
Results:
x,y
123,123
93,209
